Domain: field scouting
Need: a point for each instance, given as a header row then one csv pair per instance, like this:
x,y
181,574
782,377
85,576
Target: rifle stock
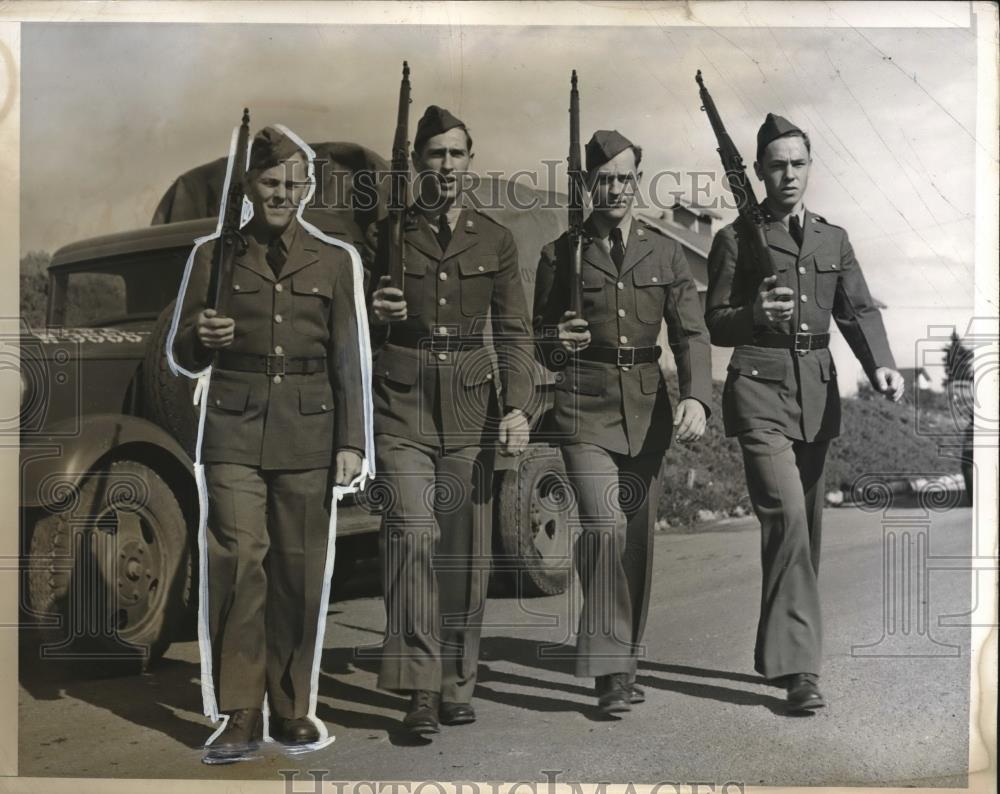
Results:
x,y
399,182
747,205
231,241
576,189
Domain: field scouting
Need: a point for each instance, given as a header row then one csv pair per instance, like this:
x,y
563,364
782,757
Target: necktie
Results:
x,y
795,229
276,256
443,233
617,247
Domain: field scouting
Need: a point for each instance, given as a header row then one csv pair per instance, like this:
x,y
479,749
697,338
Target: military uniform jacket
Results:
x,y
795,393
622,409
274,422
444,394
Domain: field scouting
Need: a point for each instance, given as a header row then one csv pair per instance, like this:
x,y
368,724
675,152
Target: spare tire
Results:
x,y
167,398
532,516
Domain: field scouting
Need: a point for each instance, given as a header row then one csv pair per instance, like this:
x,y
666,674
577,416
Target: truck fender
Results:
x,y
54,464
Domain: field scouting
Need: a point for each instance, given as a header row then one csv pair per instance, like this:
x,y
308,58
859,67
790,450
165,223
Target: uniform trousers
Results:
x,y
785,478
616,498
267,546
436,557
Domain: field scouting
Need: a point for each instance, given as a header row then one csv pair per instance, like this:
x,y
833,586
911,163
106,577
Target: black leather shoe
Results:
x,y
238,739
422,718
299,730
636,694
613,693
457,713
803,693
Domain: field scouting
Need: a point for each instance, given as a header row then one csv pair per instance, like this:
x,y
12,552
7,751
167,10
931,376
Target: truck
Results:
x,y
109,501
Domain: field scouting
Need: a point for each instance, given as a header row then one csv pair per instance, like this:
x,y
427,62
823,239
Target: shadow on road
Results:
x,y
555,658
150,700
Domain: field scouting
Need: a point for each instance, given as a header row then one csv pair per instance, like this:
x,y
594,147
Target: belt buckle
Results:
x,y
806,345
270,371
440,343
631,354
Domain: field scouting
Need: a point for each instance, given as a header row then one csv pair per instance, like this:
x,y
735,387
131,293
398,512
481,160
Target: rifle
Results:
x,y
576,190
399,182
231,241
736,175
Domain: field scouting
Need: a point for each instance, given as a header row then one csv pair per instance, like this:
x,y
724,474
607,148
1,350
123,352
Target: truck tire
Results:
x,y
114,566
532,515
166,398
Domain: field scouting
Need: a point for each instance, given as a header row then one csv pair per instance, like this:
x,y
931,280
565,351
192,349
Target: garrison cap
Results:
x,y
603,145
270,147
435,121
773,128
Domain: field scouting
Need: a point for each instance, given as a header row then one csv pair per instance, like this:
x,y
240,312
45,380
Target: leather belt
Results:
x,y
436,343
273,364
621,356
800,343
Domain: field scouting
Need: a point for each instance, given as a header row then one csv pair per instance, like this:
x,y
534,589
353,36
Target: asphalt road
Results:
x,y
898,712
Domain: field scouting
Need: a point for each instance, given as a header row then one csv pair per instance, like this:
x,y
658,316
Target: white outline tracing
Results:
x,y
204,377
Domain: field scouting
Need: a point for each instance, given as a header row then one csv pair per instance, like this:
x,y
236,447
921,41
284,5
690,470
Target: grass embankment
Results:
x,y
705,480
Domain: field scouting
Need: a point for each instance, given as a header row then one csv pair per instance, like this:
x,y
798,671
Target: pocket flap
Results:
x,y
478,265
398,366
650,379
245,280
315,398
415,265
592,278
309,284
228,395
582,381
652,274
759,367
824,263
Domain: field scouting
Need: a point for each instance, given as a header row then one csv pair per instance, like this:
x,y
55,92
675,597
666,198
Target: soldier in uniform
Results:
x,y
436,424
284,423
781,399
612,415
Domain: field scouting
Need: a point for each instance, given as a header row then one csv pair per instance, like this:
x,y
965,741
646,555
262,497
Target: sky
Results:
x,y
112,113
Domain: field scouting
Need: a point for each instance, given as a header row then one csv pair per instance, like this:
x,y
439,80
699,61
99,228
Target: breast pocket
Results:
x,y
311,296
594,287
651,280
827,277
476,275
245,284
414,283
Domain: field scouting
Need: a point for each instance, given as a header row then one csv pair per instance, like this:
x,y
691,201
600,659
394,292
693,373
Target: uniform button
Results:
x,y
443,276
442,301
834,266
277,318
802,270
236,287
621,312
442,356
481,269
218,402
489,376
804,326
279,349
623,339
276,378
323,406
620,285
804,298
626,369
441,330
278,288
753,372
655,279
315,289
